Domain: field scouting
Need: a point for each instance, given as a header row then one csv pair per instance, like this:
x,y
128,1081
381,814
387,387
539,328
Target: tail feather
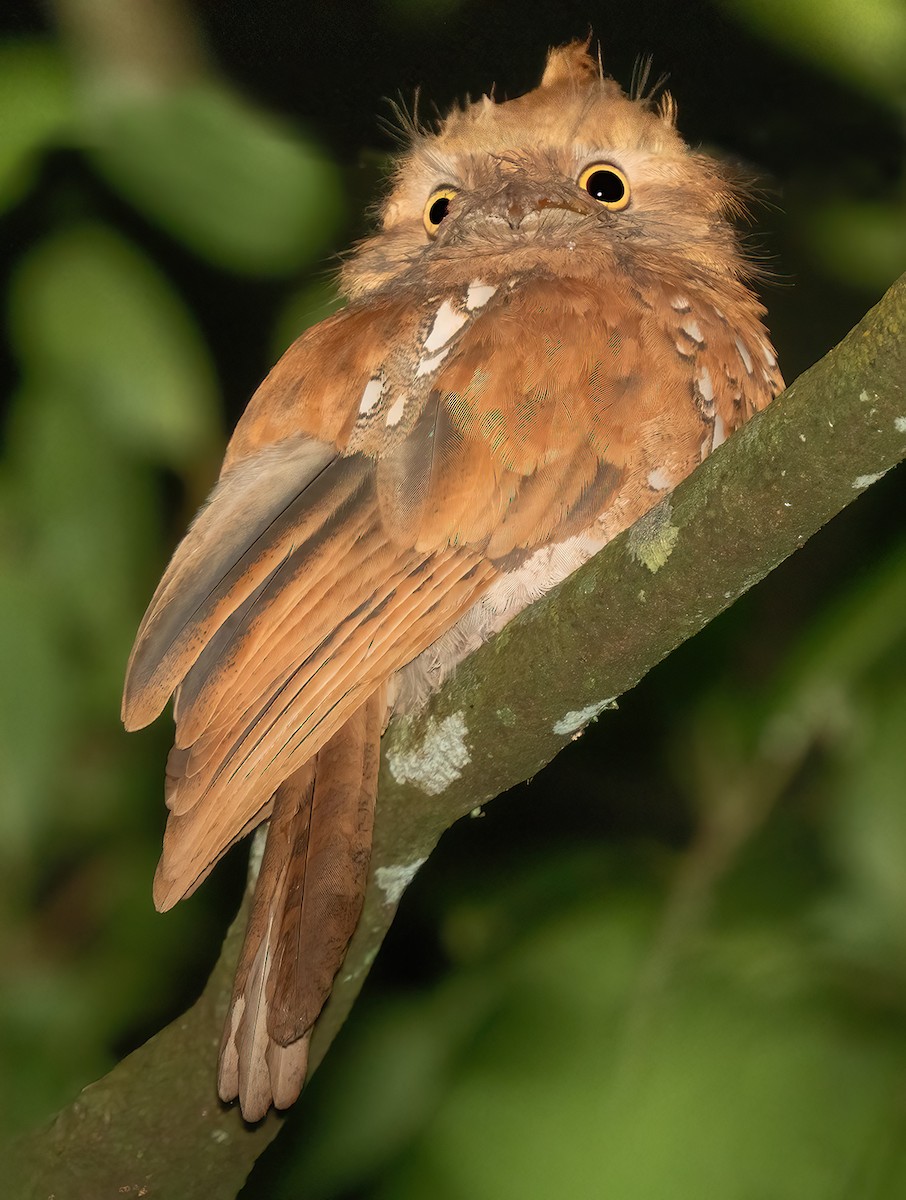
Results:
x,y
307,902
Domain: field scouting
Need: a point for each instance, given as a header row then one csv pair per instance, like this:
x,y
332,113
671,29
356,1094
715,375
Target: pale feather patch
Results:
x,y
720,432
693,330
745,356
447,322
705,385
287,1066
680,303
228,1081
396,410
427,365
659,479
478,295
374,389
505,598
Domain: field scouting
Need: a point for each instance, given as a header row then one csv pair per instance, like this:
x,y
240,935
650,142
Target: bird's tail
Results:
x,y
307,903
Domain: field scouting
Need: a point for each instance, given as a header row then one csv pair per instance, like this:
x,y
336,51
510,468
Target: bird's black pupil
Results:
x,y
606,186
438,210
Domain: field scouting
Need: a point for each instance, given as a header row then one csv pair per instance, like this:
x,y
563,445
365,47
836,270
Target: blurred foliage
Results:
x,y
673,966
864,43
37,104
92,317
858,241
235,185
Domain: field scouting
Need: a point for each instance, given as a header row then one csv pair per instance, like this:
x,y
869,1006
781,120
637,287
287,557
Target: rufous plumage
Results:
x,y
551,327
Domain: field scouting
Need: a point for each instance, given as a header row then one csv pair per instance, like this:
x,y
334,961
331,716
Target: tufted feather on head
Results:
x,y
527,154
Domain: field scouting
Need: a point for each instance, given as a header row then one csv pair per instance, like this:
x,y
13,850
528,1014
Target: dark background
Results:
x,y
675,963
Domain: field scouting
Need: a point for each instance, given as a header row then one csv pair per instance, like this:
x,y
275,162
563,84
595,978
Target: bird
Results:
x,y
552,324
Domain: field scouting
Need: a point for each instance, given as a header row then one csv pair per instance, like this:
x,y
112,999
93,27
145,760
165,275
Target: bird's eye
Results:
x,y
436,209
607,184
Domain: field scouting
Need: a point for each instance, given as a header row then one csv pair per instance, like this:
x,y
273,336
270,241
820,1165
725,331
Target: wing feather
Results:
x,y
237,541
304,712
373,494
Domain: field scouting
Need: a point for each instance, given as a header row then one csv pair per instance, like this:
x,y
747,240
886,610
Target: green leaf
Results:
x,y
36,104
235,184
90,314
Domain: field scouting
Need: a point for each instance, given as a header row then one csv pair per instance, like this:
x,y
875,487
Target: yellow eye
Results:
x,y
607,184
436,209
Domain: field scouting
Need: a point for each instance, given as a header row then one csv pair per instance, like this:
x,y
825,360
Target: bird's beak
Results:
x,y
522,204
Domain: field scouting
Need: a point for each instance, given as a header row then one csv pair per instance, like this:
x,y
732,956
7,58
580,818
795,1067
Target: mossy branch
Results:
x,y
153,1126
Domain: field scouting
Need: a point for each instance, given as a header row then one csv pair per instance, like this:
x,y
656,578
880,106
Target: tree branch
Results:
x,y
154,1123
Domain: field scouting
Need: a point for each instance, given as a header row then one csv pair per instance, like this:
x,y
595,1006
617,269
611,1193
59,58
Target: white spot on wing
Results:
x,y
745,356
427,365
705,385
395,411
446,323
659,479
720,432
692,328
393,881
374,389
438,761
579,718
479,294
680,303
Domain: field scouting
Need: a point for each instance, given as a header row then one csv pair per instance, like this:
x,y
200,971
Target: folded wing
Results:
x,y
399,459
